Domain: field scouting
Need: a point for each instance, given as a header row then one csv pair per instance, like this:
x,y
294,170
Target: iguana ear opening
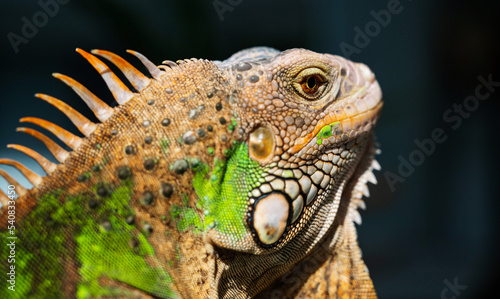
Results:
x,y
261,144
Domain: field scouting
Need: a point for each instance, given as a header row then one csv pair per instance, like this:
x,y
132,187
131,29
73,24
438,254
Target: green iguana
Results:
x,y
211,179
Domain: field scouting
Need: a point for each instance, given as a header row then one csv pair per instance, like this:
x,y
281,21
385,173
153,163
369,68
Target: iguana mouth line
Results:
x,y
359,122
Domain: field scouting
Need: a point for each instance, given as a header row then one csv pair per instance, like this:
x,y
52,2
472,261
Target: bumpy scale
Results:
x,y
212,179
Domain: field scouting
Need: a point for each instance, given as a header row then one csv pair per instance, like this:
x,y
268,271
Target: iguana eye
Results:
x,y
311,83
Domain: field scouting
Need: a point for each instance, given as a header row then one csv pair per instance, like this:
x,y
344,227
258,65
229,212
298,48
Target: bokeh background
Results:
x,y
440,224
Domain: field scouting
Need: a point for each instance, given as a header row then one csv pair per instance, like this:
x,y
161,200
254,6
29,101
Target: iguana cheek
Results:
x,y
271,217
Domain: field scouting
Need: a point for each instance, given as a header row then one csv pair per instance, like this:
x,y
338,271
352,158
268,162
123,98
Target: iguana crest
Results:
x,y
210,179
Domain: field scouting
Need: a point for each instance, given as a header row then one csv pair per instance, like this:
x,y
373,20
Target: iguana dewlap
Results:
x,y
211,179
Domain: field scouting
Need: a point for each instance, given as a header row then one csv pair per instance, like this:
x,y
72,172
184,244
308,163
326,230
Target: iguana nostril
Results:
x,y
271,217
261,144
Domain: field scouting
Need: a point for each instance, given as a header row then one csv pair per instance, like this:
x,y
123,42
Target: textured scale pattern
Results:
x,y
212,179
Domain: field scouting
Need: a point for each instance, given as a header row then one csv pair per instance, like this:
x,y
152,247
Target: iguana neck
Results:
x,y
335,269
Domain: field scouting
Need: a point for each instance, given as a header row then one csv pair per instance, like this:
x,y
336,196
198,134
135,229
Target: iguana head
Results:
x,y
305,118
306,121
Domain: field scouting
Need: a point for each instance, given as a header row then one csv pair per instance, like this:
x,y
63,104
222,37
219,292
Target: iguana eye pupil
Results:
x,y
311,82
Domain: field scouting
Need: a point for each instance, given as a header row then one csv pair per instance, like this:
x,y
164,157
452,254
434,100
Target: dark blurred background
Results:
x,y
425,228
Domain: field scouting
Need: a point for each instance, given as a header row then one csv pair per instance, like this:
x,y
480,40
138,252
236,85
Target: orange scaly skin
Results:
x,y
214,179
